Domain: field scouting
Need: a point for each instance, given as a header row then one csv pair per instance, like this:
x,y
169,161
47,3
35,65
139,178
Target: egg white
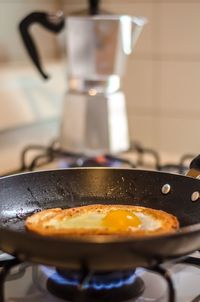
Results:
x,y
93,220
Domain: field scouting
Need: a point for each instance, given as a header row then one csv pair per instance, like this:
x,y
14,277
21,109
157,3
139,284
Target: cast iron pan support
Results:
x,y
8,264
166,275
86,277
155,266
194,261
5,268
194,172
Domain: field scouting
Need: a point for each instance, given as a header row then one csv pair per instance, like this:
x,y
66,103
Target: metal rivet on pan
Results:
x,y
166,189
195,196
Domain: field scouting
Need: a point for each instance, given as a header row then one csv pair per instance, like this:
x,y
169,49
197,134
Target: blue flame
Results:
x,y
94,283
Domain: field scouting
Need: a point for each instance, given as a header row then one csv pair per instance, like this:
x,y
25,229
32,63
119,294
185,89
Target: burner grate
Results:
x,y
87,275
34,157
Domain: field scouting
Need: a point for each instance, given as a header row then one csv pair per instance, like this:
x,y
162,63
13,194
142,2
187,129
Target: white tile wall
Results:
x,y
179,134
180,88
179,23
139,75
143,128
162,83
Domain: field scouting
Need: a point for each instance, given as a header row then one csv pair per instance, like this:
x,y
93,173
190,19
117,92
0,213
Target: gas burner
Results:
x,y
100,286
26,282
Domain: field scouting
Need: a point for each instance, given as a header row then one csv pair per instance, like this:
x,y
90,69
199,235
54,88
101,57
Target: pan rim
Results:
x,y
97,168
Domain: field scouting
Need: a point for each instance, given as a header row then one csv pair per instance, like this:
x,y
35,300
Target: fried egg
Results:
x,y
102,220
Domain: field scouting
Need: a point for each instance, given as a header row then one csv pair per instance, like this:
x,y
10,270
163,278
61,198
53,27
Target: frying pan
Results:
x,y
24,194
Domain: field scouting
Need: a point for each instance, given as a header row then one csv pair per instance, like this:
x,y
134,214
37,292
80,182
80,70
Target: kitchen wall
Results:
x,y
162,82
163,78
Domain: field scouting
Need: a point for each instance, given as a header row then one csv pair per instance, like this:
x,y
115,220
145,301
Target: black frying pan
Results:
x,y
22,195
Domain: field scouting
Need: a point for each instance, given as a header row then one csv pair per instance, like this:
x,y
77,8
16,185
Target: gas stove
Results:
x,y
40,157
173,281
30,282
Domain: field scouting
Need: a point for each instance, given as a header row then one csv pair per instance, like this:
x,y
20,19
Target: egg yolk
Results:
x,y
121,220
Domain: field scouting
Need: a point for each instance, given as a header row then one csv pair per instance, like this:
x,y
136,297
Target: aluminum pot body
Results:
x,y
97,47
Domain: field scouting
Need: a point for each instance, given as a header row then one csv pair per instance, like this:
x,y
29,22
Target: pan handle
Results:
x,y
194,168
195,163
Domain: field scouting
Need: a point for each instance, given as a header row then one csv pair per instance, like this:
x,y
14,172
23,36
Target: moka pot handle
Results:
x,y
52,22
